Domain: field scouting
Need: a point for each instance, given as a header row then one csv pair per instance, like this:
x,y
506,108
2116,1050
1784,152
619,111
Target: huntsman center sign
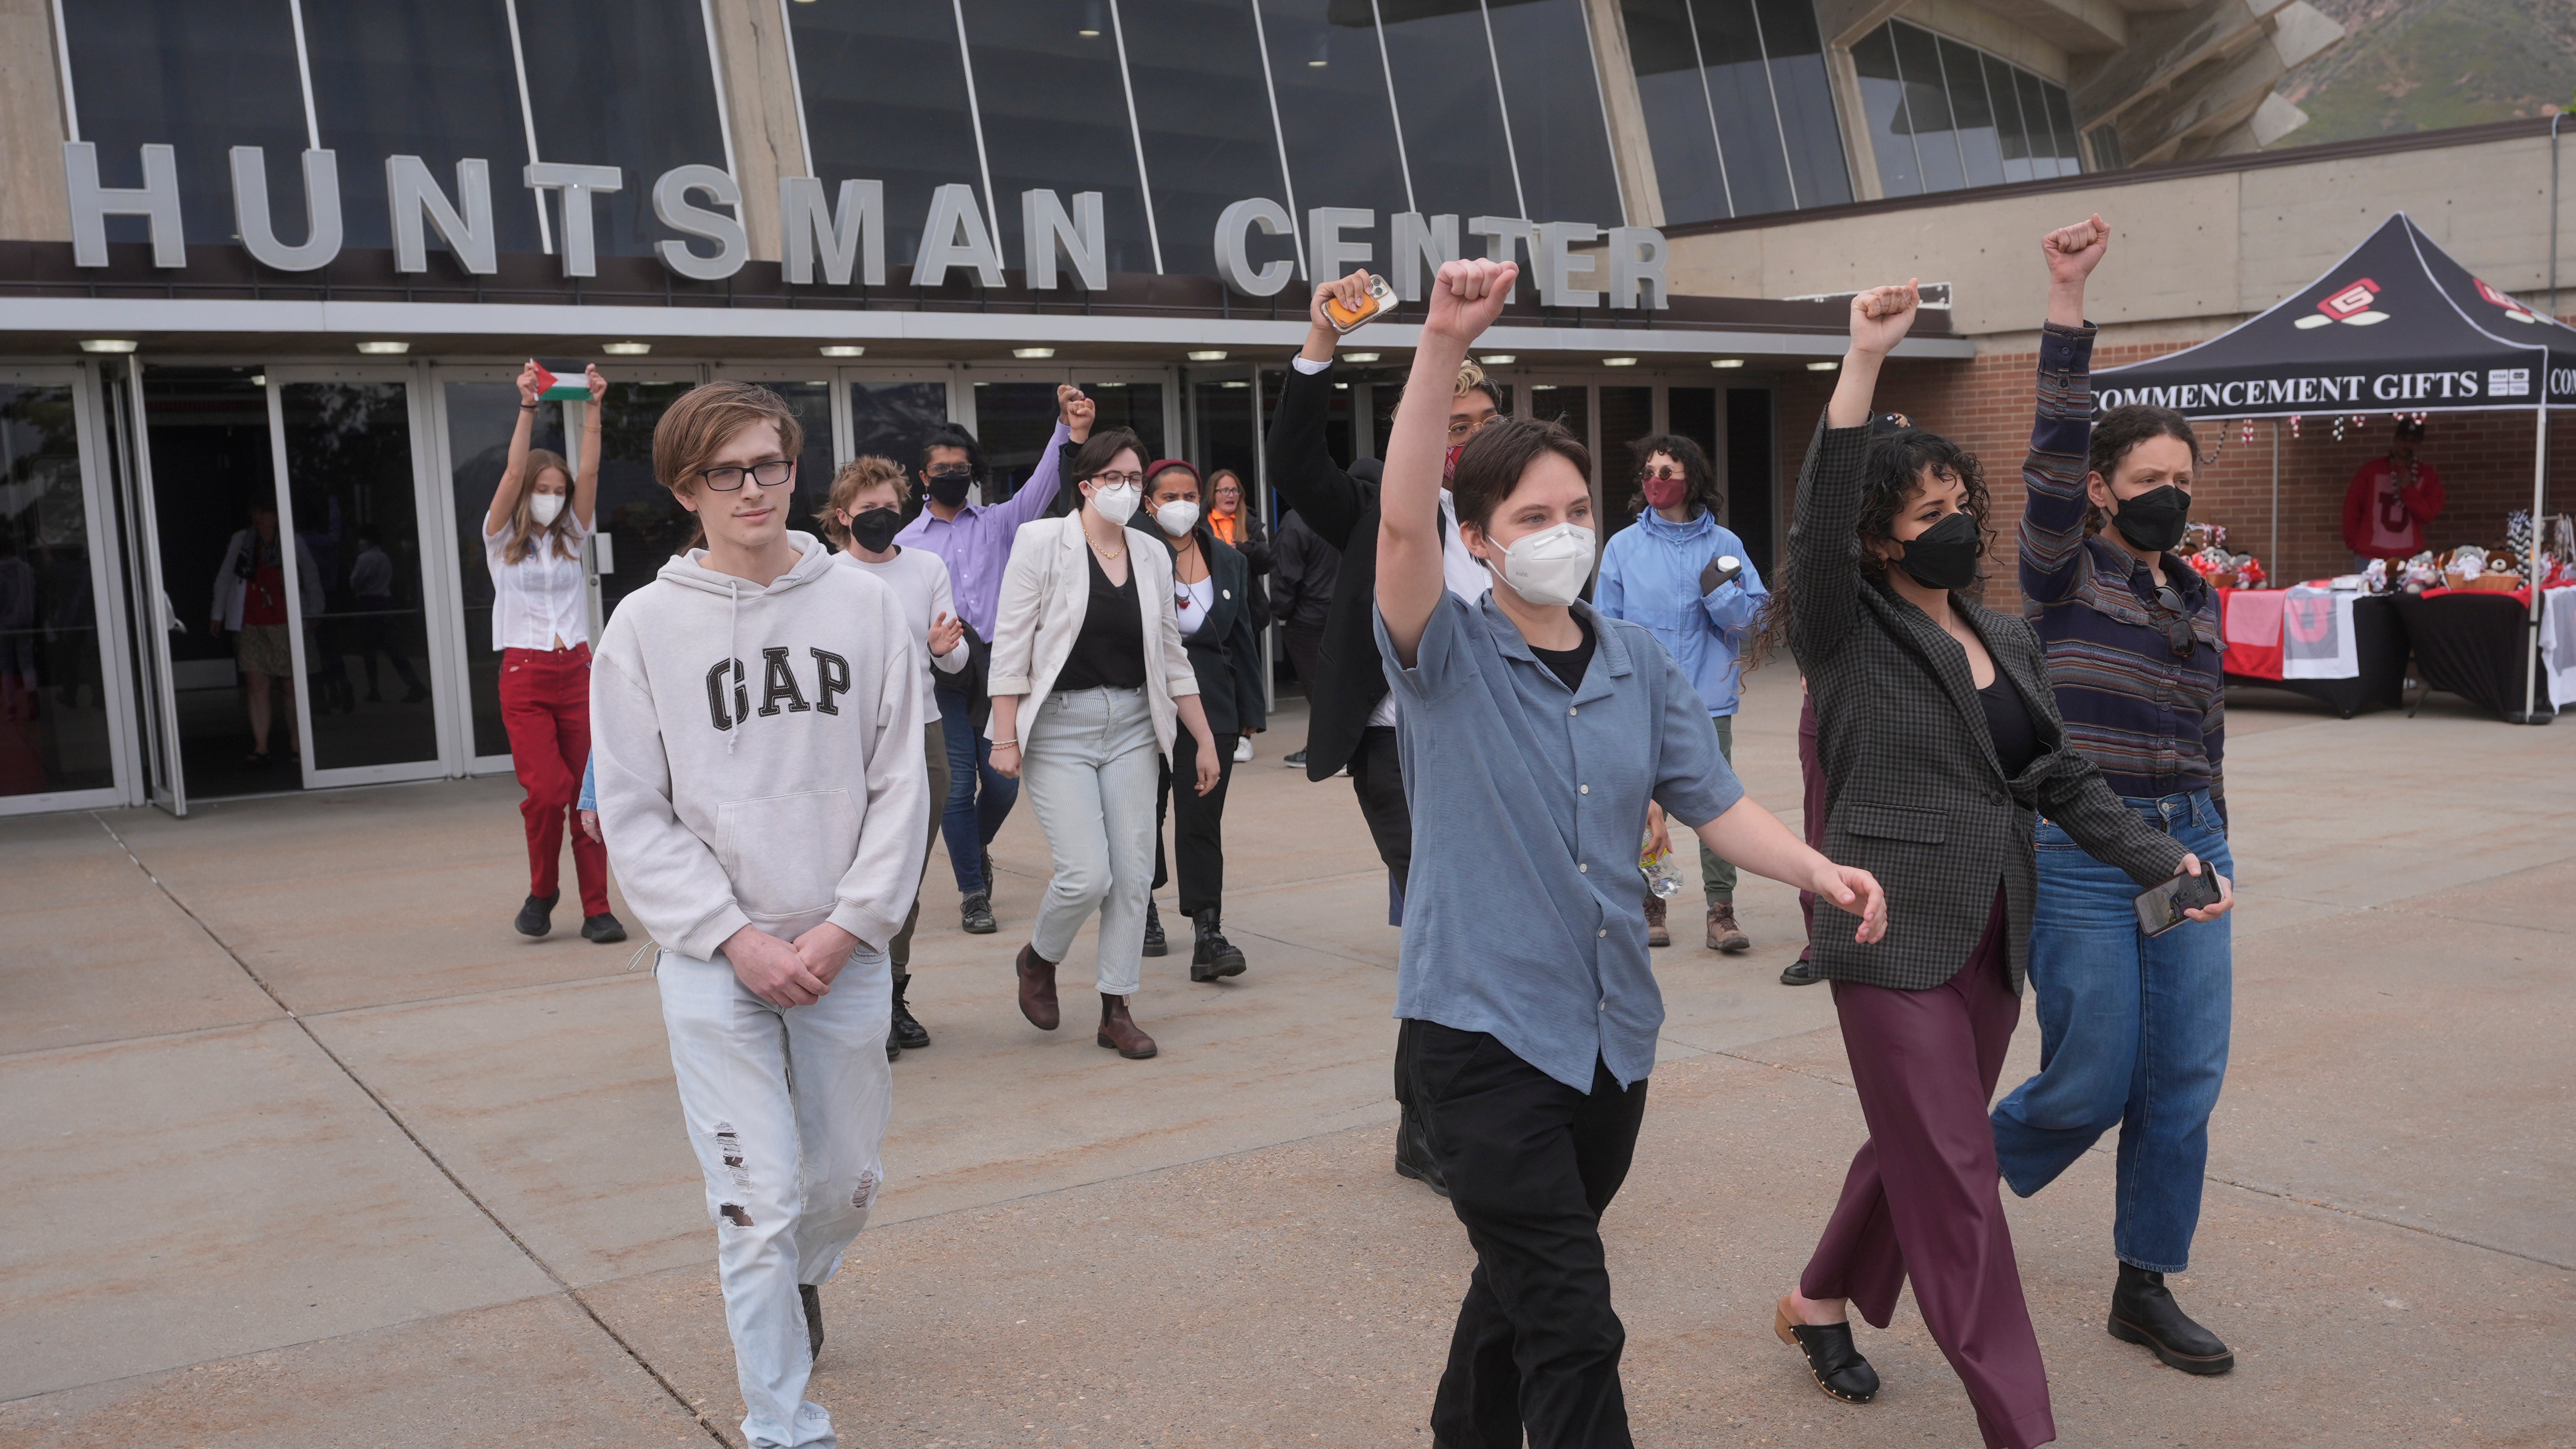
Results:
x,y
838,237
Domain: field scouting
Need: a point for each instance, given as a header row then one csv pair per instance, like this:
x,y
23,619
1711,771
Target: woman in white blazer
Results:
x,y
1089,685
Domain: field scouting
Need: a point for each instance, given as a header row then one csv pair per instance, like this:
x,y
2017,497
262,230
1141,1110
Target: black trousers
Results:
x,y
1531,1163
1198,835
1377,778
1305,650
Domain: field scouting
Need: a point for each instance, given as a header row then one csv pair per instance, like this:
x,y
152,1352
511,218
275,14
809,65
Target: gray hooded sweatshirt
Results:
x,y
759,752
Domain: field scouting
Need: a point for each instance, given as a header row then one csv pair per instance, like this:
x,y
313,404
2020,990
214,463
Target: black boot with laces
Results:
x,y
909,1034
1213,956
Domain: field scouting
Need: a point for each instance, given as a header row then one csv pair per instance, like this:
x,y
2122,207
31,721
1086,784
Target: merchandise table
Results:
x,y
2473,645
2377,660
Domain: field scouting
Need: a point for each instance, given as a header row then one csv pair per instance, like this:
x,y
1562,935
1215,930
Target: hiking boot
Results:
x,y
1723,934
1213,956
975,914
1656,932
909,1034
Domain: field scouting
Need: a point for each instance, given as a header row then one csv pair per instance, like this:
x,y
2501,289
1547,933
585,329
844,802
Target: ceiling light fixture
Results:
x,y
626,349
1498,359
1032,354
107,344
1822,366
1090,29
1207,357
1618,362
1359,357
844,349
1728,362
384,349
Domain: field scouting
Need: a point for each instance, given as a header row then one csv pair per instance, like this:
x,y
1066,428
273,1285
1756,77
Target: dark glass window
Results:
x,y
1333,110
631,87
1453,118
1013,420
642,523
2012,134
1055,115
1627,414
1748,467
1927,101
2061,121
1891,129
885,100
1806,100
1739,89
426,78
201,77
1680,133
52,692
1555,98
2035,117
1201,104
1980,144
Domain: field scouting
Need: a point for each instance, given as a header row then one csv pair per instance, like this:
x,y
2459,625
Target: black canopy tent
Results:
x,y
2397,326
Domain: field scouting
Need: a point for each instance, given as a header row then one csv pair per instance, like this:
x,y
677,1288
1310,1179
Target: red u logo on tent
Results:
x,y
2355,304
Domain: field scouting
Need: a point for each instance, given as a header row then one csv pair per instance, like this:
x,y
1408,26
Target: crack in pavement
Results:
x,y
542,1266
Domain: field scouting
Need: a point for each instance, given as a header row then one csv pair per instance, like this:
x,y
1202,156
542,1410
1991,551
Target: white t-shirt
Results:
x,y
1194,601
920,579
541,598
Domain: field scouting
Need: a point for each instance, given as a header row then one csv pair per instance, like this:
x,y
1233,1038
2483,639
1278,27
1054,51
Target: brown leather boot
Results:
x,y
1118,1029
1037,990
1723,933
1656,932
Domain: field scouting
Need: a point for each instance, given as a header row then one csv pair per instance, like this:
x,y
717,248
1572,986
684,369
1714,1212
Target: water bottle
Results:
x,y
1661,878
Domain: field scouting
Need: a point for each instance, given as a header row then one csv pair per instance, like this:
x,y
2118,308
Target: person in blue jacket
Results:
x,y
1670,572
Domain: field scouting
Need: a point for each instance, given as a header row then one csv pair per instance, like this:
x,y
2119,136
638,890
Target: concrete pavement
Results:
x,y
312,1149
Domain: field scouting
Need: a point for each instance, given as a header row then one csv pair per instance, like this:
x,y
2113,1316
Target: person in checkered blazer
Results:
x,y
1941,742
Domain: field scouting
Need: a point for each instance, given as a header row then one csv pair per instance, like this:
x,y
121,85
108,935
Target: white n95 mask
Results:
x,y
1116,504
545,506
1177,517
1551,566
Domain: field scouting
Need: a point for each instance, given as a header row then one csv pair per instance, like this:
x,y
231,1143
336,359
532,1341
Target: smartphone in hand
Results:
x,y
2161,908
1381,296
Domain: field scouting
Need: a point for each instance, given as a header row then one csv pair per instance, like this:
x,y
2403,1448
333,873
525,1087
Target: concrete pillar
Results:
x,y
760,106
1630,150
32,203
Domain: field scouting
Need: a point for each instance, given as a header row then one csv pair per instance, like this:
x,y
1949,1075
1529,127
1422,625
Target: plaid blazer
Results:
x,y
1914,792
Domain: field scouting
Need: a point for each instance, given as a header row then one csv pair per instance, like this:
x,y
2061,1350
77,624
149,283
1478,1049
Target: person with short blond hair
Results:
x,y
756,717
861,518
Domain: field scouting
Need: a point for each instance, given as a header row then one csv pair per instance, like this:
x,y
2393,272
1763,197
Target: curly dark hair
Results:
x,y
1891,475
2118,431
1698,475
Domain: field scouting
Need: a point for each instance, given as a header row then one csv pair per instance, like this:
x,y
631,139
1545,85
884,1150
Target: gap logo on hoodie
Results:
x,y
779,691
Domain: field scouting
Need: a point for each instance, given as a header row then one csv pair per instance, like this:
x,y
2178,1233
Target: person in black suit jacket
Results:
x,y
1350,719
1212,595
1940,738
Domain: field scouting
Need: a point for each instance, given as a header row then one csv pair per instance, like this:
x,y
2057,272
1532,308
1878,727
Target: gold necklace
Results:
x,y
1104,553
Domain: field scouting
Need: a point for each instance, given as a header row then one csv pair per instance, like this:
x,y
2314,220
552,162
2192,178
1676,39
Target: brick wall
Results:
x,y
2485,460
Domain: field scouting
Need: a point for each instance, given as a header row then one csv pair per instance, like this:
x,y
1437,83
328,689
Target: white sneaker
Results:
x,y
1243,749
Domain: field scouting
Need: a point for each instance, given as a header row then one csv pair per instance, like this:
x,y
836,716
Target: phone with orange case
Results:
x,y
1380,298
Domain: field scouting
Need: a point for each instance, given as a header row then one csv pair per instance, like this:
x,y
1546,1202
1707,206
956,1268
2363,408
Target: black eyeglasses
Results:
x,y
729,480
2178,635
962,475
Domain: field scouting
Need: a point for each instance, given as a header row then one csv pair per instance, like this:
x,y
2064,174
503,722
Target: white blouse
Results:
x,y
1192,602
541,598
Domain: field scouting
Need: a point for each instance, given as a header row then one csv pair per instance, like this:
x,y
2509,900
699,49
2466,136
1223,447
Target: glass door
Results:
x,y
640,525
349,468
61,706
810,394
477,409
1015,414
889,412
155,618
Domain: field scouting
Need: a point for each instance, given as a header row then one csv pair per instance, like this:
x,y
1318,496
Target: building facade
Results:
x,y
294,250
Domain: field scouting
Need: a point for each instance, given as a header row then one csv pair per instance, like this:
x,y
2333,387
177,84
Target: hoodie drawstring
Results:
x,y
733,631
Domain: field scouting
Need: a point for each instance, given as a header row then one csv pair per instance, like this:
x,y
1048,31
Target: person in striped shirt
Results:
x,y
2133,1028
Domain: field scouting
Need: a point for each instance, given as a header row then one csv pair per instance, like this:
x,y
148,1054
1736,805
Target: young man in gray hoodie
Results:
x,y
756,727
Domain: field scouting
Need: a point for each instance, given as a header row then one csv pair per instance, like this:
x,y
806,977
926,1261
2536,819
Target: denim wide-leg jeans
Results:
x,y
2132,1034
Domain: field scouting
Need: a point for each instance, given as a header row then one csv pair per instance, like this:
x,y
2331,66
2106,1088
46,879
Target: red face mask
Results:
x,y
1665,492
1449,465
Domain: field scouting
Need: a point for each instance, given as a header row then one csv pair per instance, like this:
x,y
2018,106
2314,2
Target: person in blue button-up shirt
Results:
x,y
1684,576
1534,733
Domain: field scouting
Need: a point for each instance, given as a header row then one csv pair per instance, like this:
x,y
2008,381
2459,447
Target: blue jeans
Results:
x,y
979,797
2132,1034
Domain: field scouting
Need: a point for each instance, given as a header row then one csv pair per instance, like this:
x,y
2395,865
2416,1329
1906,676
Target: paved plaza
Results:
x,y
308,1148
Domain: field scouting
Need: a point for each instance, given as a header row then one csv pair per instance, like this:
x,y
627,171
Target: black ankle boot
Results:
x,y
1154,943
1213,955
2143,1311
909,1034
537,916
1413,1154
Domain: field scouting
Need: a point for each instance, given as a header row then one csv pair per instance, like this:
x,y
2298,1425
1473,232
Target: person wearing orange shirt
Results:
x,y
2392,501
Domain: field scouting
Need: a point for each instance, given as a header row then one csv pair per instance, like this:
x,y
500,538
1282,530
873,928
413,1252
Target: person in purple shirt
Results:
x,y
975,542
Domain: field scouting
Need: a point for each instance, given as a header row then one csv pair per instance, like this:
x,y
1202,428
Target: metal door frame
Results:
x,y
98,516
443,684
164,778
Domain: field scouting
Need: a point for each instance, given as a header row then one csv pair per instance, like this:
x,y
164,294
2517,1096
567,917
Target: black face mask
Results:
x,y
948,486
1944,556
2155,519
874,529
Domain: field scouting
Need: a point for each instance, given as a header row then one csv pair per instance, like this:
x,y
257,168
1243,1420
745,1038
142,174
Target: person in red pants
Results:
x,y
532,538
